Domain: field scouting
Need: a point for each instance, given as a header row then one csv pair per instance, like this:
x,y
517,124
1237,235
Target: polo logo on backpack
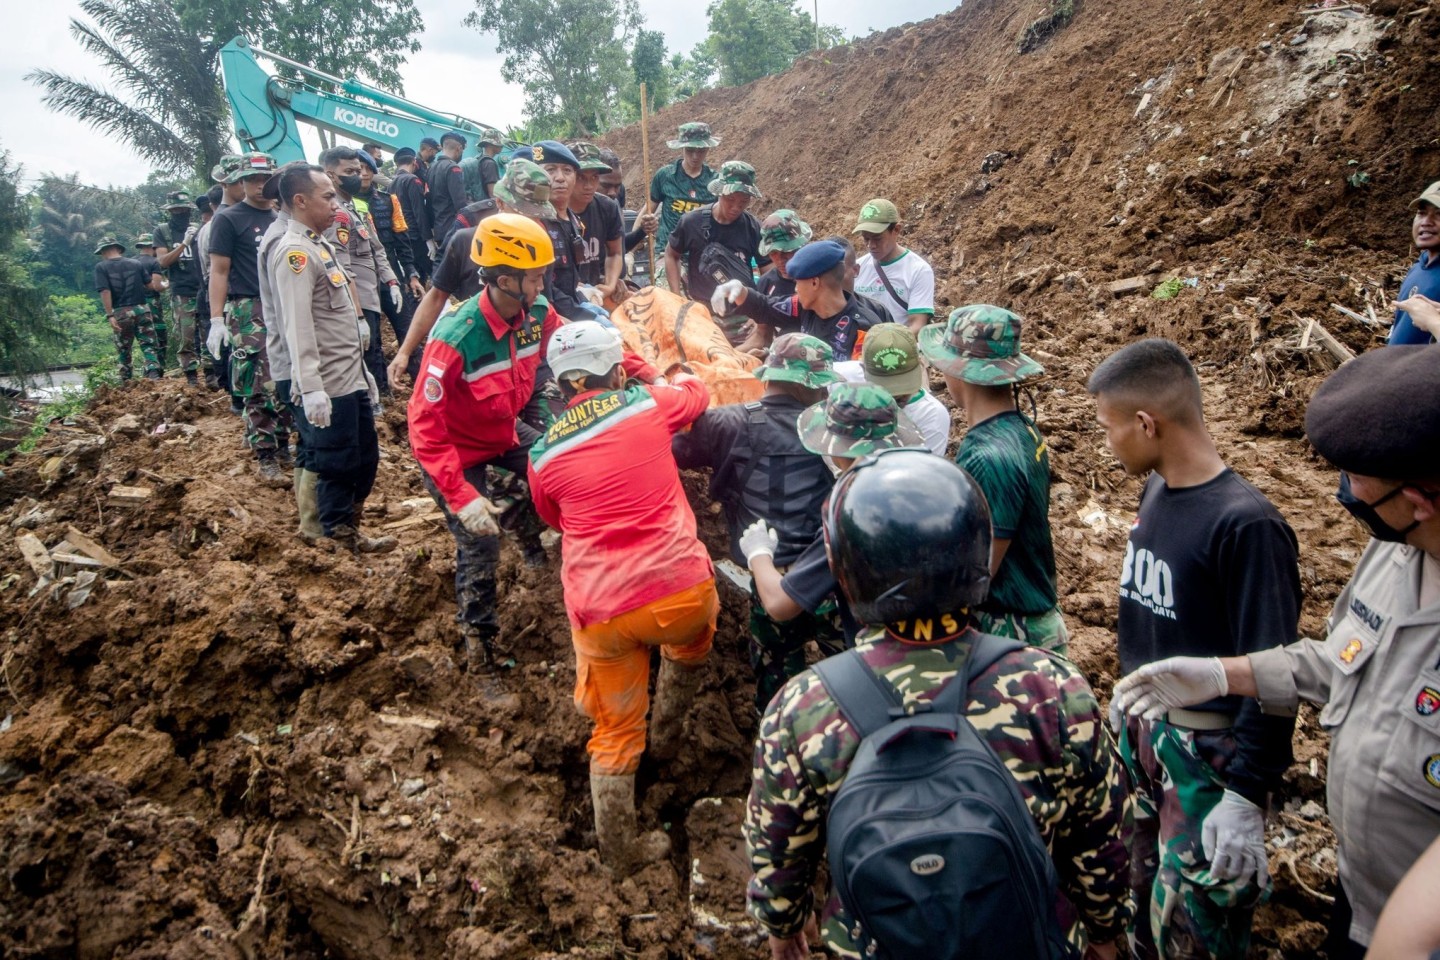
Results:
x,y
932,848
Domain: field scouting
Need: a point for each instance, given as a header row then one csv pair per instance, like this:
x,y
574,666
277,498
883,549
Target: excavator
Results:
x,y
267,110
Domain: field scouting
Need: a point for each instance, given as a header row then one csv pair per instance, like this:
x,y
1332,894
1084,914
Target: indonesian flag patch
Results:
x,y
297,260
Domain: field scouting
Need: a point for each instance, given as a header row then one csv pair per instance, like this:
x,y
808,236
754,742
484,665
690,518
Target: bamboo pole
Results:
x,y
645,162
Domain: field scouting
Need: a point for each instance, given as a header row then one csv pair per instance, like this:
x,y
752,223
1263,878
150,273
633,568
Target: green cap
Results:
x,y
877,216
694,135
108,242
799,358
145,240
855,420
525,189
979,344
178,198
252,165
589,156
784,231
736,176
491,136
892,361
227,165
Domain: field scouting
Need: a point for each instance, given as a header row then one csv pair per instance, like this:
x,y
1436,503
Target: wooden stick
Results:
x,y
645,162
1322,336
1353,315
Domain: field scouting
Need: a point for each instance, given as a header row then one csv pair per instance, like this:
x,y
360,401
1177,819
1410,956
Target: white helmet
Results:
x,y
581,347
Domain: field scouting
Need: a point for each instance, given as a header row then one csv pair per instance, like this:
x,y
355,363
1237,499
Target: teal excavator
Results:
x,y
267,109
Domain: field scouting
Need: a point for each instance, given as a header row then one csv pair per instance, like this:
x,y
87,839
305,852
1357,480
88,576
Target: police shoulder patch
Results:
x,y
297,259
343,235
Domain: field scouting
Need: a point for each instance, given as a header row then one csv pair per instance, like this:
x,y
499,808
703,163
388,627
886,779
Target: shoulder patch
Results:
x,y
297,259
433,390
342,234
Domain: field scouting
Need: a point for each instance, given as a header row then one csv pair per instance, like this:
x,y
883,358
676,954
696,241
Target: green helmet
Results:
x,y
799,358
784,231
855,420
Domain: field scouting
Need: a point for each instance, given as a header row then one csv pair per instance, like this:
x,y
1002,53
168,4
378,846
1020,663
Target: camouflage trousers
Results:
x,y
182,310
267,423
135,323
162,332
1181,912
1044,630
777,648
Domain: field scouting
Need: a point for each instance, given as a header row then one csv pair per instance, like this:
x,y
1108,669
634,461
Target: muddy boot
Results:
x,y
480,656
308,504
620,848
535,556
285,457
270,471
371,544
212,379
192,379
674,693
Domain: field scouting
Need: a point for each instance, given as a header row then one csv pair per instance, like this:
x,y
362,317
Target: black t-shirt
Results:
x,y
773,285
845,331
1213,571
235,233
125,279
489,175
457,274
151,266
601,222
699,227
447,193
184,273
810,583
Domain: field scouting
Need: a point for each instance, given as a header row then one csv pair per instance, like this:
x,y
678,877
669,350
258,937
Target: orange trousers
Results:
x,y
612,669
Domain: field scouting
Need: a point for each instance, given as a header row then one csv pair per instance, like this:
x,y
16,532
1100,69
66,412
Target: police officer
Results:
x,y
175,250
123,286
1377,672
409,191
327,358
912,568
445,181
566,233
392,229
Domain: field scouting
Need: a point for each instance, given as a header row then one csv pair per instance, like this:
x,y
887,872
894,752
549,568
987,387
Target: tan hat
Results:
x,y
1430,196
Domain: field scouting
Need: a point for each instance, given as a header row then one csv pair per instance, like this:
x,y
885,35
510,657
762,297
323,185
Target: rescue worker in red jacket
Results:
x,y
478,373
635,574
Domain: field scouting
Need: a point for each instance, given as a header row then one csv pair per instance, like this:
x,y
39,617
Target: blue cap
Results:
x,y
368,160
815,258
553,151
455,135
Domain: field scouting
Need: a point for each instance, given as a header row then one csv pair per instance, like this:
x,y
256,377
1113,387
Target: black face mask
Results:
x,y
350,185
1368,515
180,219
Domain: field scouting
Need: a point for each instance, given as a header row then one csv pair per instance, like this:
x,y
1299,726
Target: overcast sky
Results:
x,y
457,70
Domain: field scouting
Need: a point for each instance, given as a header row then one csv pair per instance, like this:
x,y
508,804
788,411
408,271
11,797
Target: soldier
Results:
x,y
912,567
762,470
236,313
684,185
978,351
145,256
895,277
482,171
175,249
123,286
781,235
220,196
325,343
720,237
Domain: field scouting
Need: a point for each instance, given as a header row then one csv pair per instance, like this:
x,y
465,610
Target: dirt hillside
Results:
x,y
222,743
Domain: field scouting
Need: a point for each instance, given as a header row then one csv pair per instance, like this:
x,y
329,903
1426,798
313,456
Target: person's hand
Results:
x,y
417,289
758,540
1102,951
1175,682
1424,312
731,291
649,222
395,298
362,326
317,408
190,233
478,517
114,324
398,367
790,948
432,249
217,337
1233,837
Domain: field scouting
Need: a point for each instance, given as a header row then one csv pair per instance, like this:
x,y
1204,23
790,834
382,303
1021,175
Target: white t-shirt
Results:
x,y
911,277
929,415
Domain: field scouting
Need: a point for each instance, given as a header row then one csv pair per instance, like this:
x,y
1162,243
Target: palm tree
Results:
x,y
70,220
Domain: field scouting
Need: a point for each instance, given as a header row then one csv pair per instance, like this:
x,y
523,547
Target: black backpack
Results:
x,y
717,264
932,848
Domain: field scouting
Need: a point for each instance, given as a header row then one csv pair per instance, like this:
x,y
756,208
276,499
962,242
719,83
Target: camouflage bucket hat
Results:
x,y
855,420
252,165
589,156
178,198
892,360
145,240
736,176
490,136
525,189
799,358
108,242
979,344
228,164
694,135
784,231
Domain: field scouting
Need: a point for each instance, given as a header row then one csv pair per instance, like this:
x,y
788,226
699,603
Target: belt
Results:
x,y
1199,719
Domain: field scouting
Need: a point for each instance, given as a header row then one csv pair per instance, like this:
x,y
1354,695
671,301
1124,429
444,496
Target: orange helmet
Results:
x,y
510,240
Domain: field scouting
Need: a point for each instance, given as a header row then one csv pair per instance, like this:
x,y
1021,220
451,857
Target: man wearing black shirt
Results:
x,y
446,182
1210,570
123,286
562,278
409,191
175,249
235,236
638,224
602,257
145,256
724,223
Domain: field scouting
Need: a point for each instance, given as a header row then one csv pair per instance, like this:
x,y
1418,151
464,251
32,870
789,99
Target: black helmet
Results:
x,y
909,537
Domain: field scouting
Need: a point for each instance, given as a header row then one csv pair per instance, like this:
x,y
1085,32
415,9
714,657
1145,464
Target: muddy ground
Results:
x,y
234,745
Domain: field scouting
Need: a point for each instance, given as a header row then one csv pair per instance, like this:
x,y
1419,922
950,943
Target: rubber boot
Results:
x,y
192,379
366,544
621,848
308,503
675,691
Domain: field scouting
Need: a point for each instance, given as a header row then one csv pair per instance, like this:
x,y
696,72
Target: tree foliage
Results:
x,y
750,39
571,56
28,328
647,61
71,217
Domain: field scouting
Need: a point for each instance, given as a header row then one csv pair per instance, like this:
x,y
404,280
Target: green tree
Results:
x,y
28,329
86,333
690,73
571,57
751,39
647,61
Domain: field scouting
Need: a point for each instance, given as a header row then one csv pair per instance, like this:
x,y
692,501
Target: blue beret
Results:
x,y
553,151
814,259
369,161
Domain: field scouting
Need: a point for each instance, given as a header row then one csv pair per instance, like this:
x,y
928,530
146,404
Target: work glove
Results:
x,y
1233,836
395,299
363,326
216,339
190,233
731,291
432,248
478,517
758,540
317,408
1159,686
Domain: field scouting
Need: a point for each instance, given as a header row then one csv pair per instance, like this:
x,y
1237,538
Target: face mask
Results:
x,y
181,219
1368,515
351,184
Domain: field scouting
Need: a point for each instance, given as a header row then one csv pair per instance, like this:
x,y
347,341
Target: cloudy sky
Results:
x,y
45,142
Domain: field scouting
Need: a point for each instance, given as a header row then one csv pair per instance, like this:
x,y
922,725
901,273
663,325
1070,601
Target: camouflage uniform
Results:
x,y
1034,710
783,231
267,423
674,192
777,647
136,324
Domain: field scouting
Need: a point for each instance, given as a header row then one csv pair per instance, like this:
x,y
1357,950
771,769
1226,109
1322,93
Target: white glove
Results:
x,y
217,337
190,233
317,408
1233,836
758,540
731,291
395,300
1176,682
591,295
432,248
363,325
478,517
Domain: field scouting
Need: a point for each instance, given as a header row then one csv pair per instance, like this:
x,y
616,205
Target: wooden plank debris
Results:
x,y
88,547
1355,316
129,495
1336,349
1130,285
35,554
